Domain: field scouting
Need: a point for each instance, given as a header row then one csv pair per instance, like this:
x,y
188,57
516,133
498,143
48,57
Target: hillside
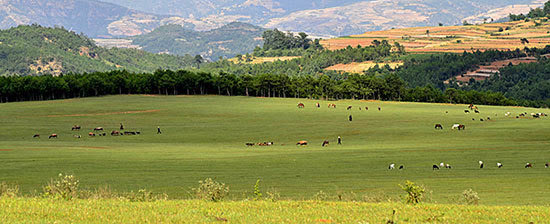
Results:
x,y
227,41
32,50
194,211
501,36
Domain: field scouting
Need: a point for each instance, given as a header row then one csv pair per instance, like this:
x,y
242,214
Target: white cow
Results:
x,y
499,165
455,126
392,166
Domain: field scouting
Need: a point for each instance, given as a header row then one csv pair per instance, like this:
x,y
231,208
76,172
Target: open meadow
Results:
x,y
205,136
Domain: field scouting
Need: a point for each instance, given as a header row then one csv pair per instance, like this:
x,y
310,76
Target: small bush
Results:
x,y
320,196
211,190
273,195
7,190
143,195
415,193
64,187
470,197
257,191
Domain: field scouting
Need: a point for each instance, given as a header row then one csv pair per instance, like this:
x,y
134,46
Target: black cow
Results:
x,y
435,167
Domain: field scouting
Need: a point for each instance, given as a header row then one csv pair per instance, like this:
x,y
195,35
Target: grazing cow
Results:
x,y
507,114
488,118
392,166
481,119
499,165
36,136
349,107
53,136
481,164
546,165
130,133
121,126
536,116
466,111
331,105
473,119
250,144
302,143
325,143
366,108
91,134
439,126
528,165
77,136
103,134
435,167
115,133
461,127
75,128
379,109
360,108
441,164
448,166
301,105
401,167
476,111
455,126
98,129
318,105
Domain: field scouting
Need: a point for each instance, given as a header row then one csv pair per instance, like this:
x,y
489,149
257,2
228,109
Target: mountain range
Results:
x,y
123,18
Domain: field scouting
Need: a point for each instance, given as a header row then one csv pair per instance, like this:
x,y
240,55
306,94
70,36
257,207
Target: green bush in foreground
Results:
x,y
470,197
64,187
415,193
7,190
211,190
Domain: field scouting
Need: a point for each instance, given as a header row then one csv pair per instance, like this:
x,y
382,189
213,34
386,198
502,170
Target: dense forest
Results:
x,y
391,87
225,42
32,50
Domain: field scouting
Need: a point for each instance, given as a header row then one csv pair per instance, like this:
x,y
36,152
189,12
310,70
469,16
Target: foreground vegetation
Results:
x,y
204,137
23,210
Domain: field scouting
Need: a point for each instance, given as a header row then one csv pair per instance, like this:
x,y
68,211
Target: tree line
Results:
x,y
184,82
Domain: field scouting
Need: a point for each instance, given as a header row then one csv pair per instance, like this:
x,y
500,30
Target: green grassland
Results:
x,y
205,136
25,210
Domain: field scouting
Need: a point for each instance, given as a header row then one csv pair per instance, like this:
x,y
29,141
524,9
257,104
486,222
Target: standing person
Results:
x,y
121,126
339,140
158,130
350,118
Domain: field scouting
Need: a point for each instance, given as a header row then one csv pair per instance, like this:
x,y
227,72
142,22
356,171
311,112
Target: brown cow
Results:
x,y
528,165
115,133
98,129
461,127
91,134
53,136
325,143
302,143
36,136
301,105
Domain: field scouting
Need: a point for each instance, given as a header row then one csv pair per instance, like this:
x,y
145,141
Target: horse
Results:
x,y
301,105
302,143
98,129
53,136
75,128
439,126
325,143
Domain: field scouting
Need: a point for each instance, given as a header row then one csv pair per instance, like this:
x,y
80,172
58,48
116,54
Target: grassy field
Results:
x,y
205,136
456,39
114,211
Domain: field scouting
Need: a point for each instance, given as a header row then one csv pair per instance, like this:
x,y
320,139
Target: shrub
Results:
x,y
143,195
257,191
64,187
320,196
7,190
470,197
273,195
415,193
211,190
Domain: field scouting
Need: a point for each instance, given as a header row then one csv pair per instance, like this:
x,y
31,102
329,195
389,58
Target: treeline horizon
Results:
x,y
184,82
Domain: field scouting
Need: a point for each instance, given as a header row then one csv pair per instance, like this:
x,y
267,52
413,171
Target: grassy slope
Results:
x,y
205,136
113,211
444,39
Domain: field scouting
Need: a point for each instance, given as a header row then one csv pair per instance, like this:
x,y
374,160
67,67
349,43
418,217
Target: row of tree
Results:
x,y
533,13
391,87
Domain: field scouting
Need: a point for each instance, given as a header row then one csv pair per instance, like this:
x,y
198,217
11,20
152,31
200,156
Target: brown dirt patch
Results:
x,y
102,114
5,150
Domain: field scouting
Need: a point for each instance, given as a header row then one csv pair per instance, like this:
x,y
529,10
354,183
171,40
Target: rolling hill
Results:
x,y
501,36
33,50
227,41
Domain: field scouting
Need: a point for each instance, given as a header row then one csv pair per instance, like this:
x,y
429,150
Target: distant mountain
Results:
x,y
317,17
227,41
334,17
34,50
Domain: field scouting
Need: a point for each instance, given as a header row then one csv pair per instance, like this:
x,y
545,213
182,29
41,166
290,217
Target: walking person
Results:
x,y
339,140
158,130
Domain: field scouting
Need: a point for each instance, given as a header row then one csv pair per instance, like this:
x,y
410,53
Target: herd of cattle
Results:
x,y
97,131
481,166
